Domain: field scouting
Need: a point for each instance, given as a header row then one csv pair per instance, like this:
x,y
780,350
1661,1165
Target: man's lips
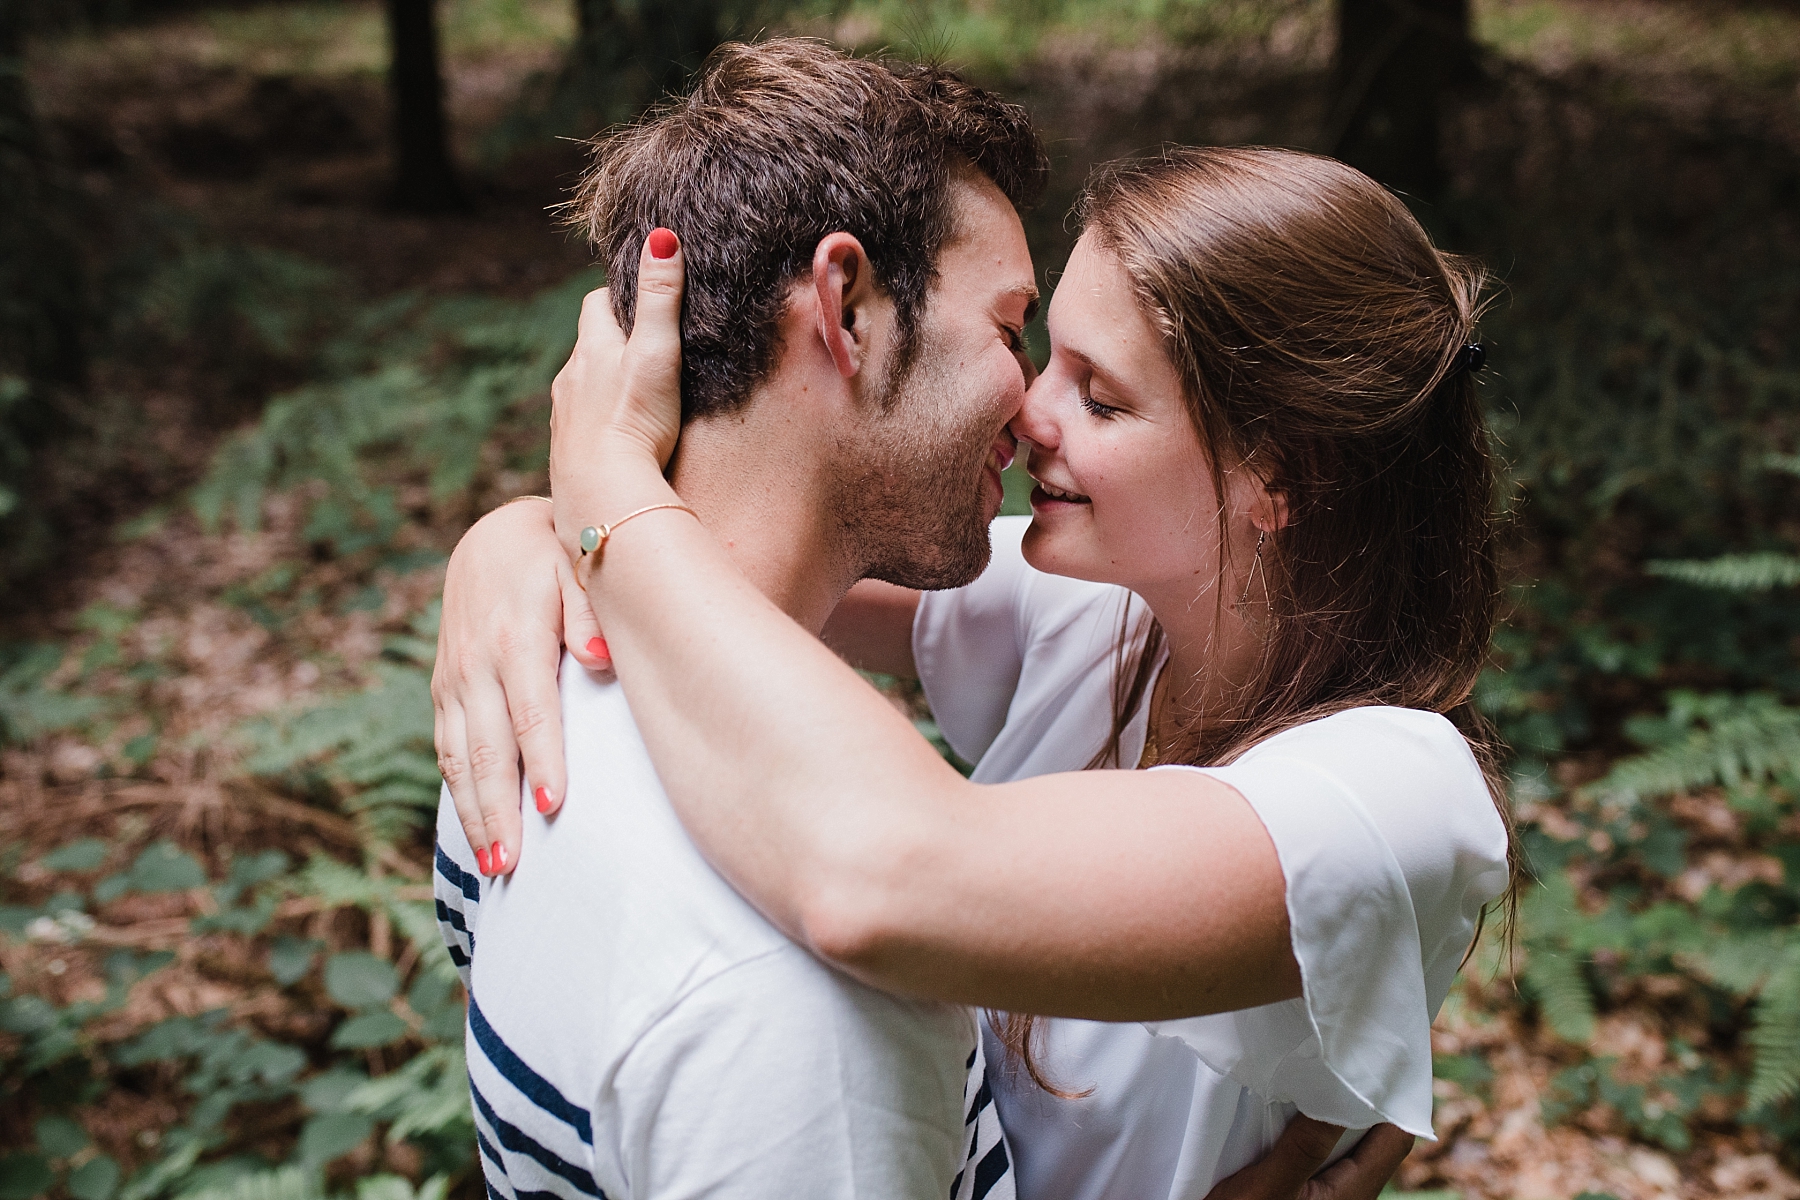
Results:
x,y
1000,456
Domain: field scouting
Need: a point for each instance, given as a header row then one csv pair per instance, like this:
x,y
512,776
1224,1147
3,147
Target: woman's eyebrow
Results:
x,y
1111,378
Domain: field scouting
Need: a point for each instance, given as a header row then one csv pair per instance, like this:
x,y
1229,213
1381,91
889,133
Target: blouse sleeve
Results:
x,y
1390,845
969,647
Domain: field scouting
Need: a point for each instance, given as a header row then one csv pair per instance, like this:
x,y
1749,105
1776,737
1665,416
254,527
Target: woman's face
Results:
x,y
1125,492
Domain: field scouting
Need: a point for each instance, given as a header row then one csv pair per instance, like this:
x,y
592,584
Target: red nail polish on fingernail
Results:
x,y
543,799
481,860
663,243
597,648
499,858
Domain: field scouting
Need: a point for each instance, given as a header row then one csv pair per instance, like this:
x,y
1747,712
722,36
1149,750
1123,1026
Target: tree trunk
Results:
x,y
630,53
1395,60
424,180
42,293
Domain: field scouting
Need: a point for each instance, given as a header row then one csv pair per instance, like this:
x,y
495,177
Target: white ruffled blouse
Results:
x,y
1390,845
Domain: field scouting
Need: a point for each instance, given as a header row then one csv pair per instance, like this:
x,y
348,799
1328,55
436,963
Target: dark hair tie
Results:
x,y
1470,358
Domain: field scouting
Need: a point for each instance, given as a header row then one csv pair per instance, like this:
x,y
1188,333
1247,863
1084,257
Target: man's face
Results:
x,y
922,480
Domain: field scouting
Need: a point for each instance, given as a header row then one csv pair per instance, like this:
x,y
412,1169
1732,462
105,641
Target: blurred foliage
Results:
x,y
1647,397
403,396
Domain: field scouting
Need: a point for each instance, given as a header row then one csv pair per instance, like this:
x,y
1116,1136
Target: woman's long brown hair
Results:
x,y
1319,338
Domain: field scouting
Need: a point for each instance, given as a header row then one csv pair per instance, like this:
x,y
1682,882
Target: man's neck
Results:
x,y
765,498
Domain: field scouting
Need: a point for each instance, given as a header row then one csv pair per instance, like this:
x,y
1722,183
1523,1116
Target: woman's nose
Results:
x,y
1034,422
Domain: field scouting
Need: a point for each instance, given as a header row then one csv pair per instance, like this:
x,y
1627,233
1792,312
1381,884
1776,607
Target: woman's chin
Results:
x,y
1054,550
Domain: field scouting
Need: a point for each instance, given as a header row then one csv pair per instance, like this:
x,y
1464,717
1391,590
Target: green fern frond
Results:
x,y
397,1187
373,747
416,921
287,1183
429,1095
1562,992
1776,1037
1739,962
387,410
1733,572
1729,740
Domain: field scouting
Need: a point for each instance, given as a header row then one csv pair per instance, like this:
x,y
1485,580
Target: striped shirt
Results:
x,y
637,1030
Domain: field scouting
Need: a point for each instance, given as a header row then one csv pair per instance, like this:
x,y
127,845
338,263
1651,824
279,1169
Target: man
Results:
x,y
858,284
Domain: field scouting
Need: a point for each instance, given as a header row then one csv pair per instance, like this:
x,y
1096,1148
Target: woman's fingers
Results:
x,y
535,702
494,773
581,629
494,684
453,765
651,405
599,330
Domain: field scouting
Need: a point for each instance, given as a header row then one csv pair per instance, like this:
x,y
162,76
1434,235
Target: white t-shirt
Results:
x,y
1390,845
638,1031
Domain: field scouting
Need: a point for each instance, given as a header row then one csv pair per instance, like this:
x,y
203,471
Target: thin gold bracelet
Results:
x,y
516,499
593,538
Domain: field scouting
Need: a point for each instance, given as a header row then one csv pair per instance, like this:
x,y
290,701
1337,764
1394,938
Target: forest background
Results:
x,y
280,300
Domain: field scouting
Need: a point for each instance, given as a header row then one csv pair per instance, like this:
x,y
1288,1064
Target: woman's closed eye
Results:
x,y
1104,412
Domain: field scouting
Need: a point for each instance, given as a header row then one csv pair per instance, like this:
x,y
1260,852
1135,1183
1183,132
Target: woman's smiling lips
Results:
x,y
1044,496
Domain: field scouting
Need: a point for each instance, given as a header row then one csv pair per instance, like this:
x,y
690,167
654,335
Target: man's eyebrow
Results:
x,y
1030,294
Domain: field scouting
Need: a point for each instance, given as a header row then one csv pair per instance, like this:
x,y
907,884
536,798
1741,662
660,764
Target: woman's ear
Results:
x,y
1275,506
846,289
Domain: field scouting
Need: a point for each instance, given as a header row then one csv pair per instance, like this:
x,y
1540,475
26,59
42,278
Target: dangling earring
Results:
x,y
1262,535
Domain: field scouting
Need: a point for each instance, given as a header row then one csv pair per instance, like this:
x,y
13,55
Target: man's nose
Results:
x,y
1033,423
1027,368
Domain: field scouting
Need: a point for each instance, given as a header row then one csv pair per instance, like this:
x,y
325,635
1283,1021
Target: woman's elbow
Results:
x,y
857,910
844,927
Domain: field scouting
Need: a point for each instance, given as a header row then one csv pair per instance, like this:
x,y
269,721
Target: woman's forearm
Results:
x,y
1109,895
757,729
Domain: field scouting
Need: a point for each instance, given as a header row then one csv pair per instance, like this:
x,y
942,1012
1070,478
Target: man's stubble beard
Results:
x,y
909,496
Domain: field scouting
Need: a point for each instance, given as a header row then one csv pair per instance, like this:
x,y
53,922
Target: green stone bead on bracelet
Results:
x,y
590,540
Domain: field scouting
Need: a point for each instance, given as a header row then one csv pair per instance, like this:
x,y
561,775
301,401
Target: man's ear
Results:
x,y
846,291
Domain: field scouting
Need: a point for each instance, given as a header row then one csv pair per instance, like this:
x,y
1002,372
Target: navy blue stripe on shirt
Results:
x,y
520,1142
983,1098
487,1148
457,957
492,1191
534,1087
989,1170
469,885
452,917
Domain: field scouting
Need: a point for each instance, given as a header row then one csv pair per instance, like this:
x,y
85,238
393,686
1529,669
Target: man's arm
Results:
x,y
1287,1171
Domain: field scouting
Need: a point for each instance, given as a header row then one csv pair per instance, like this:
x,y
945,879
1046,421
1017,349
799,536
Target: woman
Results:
x,y
1259,561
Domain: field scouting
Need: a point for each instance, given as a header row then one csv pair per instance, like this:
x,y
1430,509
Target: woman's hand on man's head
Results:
x,y
617,395
511,599
510,605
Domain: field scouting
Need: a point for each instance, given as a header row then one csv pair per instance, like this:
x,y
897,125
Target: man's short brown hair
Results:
x,y
779,144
